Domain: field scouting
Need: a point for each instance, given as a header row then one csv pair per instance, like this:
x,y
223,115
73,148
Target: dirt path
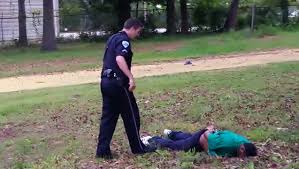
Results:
x,y
83,77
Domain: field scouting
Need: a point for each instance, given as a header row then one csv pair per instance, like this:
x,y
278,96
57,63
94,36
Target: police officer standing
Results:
x,y
117,86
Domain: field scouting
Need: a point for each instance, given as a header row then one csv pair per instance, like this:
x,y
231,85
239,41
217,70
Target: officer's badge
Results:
x,y
125,44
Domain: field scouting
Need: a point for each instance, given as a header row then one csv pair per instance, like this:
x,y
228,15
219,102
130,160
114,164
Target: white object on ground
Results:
x,y
167,132
145,140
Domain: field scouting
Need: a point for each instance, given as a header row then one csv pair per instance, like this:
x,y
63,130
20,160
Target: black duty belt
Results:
x,y
110,74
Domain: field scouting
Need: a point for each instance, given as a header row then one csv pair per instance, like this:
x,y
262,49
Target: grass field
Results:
x,y
82,56
58,127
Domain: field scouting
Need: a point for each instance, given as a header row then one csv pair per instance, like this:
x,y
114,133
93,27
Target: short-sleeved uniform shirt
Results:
x,y
118,45
225,143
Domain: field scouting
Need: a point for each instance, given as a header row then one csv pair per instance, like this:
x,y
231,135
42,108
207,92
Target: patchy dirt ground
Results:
x,y
68,125
71,64
42,67
212,63
55,63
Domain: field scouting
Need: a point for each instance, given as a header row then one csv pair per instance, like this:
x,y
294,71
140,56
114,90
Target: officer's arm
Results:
x,y
122,64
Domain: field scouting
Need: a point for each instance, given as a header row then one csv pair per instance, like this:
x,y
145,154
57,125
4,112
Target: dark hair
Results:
x,y
133,22
250,149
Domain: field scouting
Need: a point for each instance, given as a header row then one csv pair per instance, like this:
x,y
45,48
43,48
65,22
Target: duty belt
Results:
x,y
109,73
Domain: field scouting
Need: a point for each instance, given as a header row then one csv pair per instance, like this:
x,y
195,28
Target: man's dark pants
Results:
x,y
180,141
117,100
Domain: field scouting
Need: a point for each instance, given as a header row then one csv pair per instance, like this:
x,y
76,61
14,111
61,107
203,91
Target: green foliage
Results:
x,y
290,136
187,159
243,19
262,134
22,165
266,30
250,165
293,166
98,14
24,147
190,159
70,7
268,16
293,27
271,3
58,161
70,11
209,15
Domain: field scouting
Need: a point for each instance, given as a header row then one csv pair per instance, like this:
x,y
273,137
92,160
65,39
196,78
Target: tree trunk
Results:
x,y
284,4
23,41
49,41
184,16
170,9
231,20
137,8
123,9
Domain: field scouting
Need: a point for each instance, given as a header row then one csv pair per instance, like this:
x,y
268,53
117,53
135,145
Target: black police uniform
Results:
x,y
117,99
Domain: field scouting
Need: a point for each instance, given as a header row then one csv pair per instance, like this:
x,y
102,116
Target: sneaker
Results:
x,y
145,140
167,132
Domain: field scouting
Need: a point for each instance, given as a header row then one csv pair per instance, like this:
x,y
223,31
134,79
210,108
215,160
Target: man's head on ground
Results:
x,y
133,28
247,150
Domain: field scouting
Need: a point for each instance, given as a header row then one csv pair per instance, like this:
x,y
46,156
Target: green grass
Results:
x,y
82,56
58,127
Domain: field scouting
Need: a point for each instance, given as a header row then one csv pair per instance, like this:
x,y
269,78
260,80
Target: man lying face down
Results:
x,y
223,143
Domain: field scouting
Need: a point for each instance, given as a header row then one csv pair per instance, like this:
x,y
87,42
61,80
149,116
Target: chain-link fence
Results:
x,y
9,20
9,26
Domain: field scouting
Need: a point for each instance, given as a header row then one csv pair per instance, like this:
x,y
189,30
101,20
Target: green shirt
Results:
x,y
225,143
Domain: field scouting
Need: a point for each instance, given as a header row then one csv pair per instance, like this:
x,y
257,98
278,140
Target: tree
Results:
x,y
136,9
170,9
123,10
68,9
96,10
231,20
48,42
284,4
184,16
23,41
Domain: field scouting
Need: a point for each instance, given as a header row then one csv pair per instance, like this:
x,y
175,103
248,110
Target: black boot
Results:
x,y
105,154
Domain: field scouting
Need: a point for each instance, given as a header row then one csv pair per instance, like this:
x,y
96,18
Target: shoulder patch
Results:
x,y
125,44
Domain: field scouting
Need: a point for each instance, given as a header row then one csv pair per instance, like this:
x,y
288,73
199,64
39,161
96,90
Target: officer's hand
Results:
x,y
132,85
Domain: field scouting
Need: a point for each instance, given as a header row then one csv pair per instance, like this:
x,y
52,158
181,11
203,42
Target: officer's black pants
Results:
x,y
118,100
